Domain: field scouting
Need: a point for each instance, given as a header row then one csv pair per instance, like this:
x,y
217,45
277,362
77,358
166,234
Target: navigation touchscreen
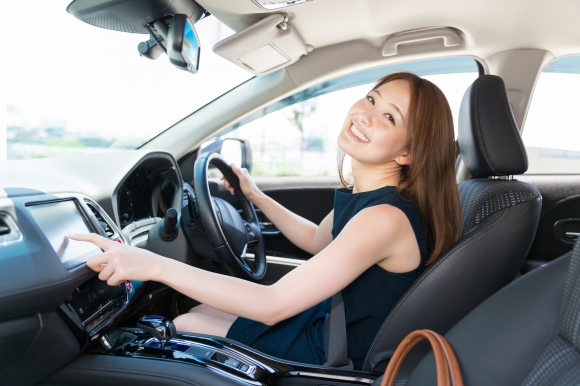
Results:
x,y
57,220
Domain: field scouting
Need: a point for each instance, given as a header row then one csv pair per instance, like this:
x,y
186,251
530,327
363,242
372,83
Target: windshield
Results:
x,y
72,88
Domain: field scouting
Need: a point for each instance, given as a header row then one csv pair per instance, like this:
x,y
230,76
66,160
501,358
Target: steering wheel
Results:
x,y
229,233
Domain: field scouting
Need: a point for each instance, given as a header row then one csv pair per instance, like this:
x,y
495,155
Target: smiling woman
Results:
x,y
76,89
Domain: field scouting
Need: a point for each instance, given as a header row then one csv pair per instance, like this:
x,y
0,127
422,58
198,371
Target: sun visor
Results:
x,y
264,47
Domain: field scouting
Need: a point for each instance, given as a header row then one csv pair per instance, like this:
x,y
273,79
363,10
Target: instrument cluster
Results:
x,y
146,193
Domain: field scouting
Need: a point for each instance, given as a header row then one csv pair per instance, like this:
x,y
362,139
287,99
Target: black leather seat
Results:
x,y
526,334
500,217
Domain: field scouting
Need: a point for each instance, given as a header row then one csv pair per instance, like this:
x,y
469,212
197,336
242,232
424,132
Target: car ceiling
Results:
x,y
489,26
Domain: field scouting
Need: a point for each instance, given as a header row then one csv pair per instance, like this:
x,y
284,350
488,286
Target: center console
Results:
x,y
230,360
160,355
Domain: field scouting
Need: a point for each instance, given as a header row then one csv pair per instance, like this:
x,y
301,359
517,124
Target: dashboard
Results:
x,y
44,280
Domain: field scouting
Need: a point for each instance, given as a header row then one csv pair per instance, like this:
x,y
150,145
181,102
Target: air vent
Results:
x,y
109,231
9,231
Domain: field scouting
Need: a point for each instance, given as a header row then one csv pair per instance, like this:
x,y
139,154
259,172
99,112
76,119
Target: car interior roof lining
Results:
x,y
488,27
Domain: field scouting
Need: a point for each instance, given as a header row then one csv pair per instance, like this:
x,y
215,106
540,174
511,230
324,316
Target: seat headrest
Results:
x,y
489,140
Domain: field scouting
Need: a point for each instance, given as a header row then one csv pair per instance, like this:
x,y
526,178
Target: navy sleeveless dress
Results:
x,y
367,300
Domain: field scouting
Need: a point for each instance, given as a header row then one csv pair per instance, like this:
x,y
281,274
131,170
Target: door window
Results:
x,y
552,130
297,136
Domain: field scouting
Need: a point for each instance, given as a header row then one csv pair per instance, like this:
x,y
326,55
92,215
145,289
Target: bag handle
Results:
x,y
448,370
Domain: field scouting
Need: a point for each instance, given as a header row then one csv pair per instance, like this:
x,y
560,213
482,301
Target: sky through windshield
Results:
x,y
72,88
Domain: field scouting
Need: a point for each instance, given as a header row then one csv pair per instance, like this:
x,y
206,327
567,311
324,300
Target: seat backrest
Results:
x,y
526,334
559,363
500,217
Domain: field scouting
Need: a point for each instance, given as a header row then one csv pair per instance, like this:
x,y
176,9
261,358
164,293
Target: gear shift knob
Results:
x,y
169,230
160,327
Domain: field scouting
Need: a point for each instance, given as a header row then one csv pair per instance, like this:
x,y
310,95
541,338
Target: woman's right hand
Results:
x,y
120,262
249,188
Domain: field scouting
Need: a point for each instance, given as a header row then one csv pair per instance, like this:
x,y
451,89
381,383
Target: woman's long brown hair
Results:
x,y
429,180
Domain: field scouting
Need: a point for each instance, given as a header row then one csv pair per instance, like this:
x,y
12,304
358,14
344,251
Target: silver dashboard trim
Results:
x,y
279,260
345,378
228,352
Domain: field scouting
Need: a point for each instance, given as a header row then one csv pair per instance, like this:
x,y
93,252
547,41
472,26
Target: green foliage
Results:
x,y
301,111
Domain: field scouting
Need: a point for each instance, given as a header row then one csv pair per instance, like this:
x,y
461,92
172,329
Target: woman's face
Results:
x,y
375,129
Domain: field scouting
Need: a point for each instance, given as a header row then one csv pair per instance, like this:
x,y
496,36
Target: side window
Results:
x,y
551,131
297,136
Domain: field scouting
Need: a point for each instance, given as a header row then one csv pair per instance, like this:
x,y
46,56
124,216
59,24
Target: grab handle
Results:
x,y
449,36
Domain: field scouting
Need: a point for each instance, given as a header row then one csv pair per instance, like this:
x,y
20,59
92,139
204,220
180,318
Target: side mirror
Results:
x,y
183,44
234,150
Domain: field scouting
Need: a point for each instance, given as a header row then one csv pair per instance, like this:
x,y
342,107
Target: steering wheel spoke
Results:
x,y
242,258
252,233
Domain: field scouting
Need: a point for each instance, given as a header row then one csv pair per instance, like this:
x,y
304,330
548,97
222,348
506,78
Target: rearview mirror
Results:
x,y
183,44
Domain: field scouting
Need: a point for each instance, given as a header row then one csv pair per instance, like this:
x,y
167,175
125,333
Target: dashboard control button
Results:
x,y
233,362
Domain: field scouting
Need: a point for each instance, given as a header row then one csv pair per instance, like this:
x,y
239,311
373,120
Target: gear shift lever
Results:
x,y
160,327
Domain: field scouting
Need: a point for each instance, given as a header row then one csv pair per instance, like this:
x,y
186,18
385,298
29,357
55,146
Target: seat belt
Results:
x,y
335,334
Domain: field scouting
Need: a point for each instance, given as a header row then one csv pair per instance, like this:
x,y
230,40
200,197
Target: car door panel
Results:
x,y
560,215
308,197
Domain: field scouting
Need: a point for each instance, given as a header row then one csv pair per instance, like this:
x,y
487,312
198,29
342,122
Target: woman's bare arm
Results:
x,y
301,232
373,235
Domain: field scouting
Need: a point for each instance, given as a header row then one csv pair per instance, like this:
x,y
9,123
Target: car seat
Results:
x,y
526,334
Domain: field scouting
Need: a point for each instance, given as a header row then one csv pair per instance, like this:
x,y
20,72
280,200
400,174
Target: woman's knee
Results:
x,y
184,322
208,310
203,324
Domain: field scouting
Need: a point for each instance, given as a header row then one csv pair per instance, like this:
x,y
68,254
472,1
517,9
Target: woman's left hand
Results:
x,y
120,262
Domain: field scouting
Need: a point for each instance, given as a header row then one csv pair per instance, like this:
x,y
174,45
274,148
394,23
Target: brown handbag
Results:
x,y
448,370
